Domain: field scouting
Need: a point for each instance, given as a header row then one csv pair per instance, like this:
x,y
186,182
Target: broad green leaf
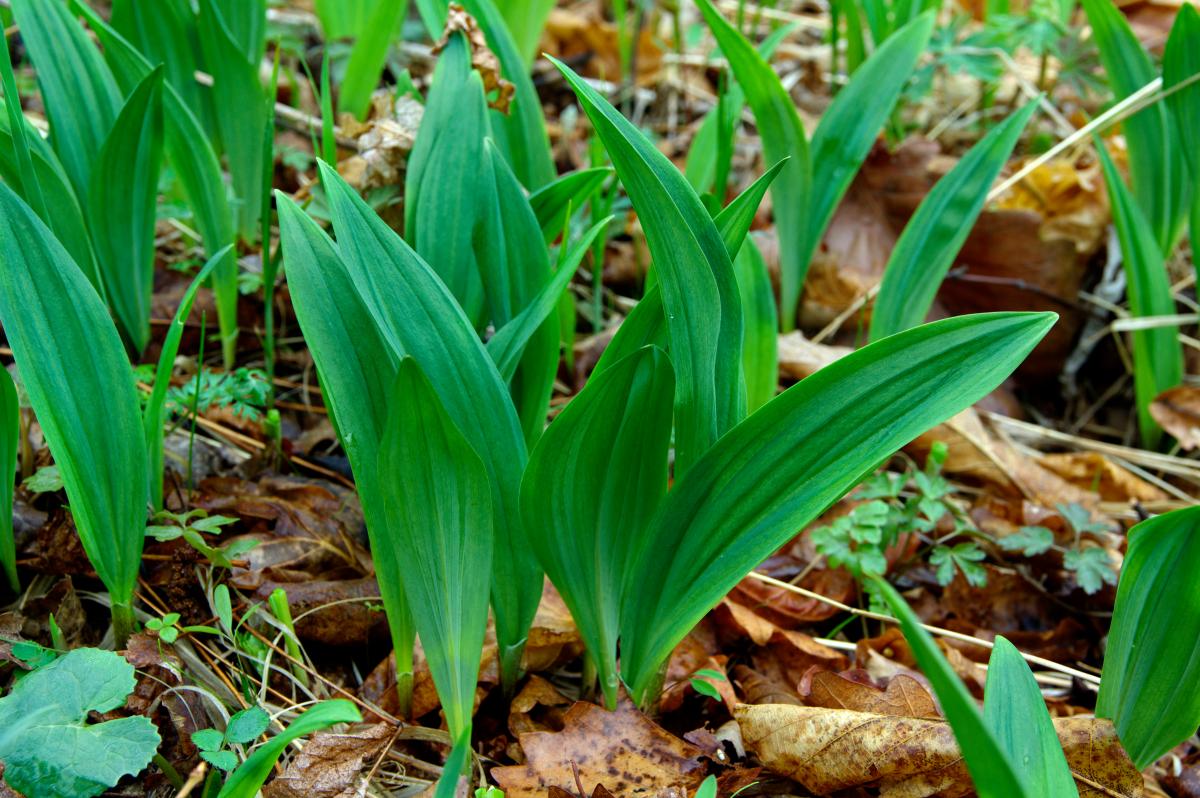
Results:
x,y
781,467
248,779
369,55
437,505
991,770
418,316
507,345
236,84
590,490
514,265
166,32
851,123
48,747
356,366
80,94
1156,165
154,414
1157,353
195,165
457,764
936,232
1152,660
782,137
10,434
442,185
699,290
69,354
1015,714
55,190
121,208
760,356
1181,63
646,325
551,201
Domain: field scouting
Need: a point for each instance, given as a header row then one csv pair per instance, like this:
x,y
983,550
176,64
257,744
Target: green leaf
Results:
x,y
698,287
46,479
735,219
551,201
69,354
1152,659
514,266
53,190
1092,568
121,208
80,94
520,133
208,739
48,747
248,725
356,366
369,55
592,486
1156,166
222,760
525,20
437,505
418,316
236,84
155,412
851,123
1157,353
442,185
166,32
249,777
780,468
936,232
760,356
964,557
508,343
456,765
195,165
10,434
1029,540
782,137
1181,62
1015,713
991,770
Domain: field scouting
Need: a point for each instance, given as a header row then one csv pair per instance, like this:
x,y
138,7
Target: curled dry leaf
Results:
x,y
383,141
903,697
483,60
800,357
621,750
332,765
828,750
1178,412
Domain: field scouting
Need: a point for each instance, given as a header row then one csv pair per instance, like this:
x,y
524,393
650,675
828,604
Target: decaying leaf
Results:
x,y
800,357
1093,471
1178,412
828,750
332,765
903,697
622,750
483,60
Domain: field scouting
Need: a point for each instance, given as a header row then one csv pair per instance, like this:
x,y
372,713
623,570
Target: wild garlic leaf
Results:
x,y
1092,568
46,743
1029,540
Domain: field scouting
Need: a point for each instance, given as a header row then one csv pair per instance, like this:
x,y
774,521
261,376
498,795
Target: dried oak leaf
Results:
x,y
828,750
622,750
332,765
1178,412
1092,470
483,60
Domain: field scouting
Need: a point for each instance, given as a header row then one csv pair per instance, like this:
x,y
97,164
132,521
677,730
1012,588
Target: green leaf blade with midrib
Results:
x,y
799,453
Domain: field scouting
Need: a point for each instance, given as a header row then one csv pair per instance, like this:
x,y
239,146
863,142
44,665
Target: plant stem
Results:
x,y
123,624
278,602
196,400
169,771
510,667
